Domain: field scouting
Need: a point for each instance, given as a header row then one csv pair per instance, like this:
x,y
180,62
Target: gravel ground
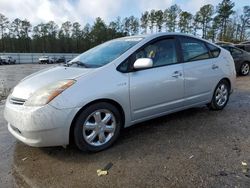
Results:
x,y
10,75
191,148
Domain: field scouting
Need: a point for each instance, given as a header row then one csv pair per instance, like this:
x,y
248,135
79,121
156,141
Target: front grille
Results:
x,y
17,101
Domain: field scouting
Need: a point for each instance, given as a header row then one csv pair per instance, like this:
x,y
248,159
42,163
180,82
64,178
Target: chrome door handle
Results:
x,y
215,66
176,74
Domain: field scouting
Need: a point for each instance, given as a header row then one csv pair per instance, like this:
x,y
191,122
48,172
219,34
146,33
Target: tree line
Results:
x,y
219,22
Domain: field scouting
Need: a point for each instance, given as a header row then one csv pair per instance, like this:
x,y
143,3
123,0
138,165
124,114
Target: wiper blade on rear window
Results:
x,y
78,63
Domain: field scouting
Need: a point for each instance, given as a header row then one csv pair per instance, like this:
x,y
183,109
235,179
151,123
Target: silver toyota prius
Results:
x,y
117,84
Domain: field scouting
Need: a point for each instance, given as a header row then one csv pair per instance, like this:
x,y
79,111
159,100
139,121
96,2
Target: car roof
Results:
x,y
227,45
154,35
232,46
162,34
245,42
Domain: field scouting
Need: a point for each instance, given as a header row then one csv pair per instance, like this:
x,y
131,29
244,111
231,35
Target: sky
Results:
x,y
85,11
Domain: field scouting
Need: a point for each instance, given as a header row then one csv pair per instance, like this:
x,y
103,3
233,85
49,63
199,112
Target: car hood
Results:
x,y
32,83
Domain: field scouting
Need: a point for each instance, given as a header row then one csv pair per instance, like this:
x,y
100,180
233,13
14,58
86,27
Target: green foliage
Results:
x,y
204,17
213,30
244,23
131,25
223,24
224,11
159,19
185,22
3,26
144,21
152,20
171,15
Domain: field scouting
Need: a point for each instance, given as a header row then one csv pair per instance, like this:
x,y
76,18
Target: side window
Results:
x,y
247,47
227,48
235,51
193,49
123,67
162,52
213,50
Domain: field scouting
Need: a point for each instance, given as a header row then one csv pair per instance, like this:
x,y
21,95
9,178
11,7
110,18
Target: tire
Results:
x,y
97,127
220,96
244,69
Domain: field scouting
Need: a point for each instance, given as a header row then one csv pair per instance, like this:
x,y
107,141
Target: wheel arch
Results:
x,y
110,101
228,81
211,104
245,61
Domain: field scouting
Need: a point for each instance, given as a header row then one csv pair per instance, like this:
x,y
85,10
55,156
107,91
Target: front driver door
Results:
x,y
159,89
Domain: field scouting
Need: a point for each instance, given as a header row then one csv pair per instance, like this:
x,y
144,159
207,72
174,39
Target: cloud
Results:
x,y
85,11
154,4
194,5
37,11
19,8
105,9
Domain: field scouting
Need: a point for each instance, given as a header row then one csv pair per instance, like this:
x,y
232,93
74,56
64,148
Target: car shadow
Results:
x,y
171,139
137,136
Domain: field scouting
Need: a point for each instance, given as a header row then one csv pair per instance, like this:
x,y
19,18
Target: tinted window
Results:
x,y
235,51
123,67
241,47
226,47
247,48
193,49
213,50
162,52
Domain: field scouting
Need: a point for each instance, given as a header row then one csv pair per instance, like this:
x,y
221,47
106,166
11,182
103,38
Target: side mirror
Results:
x,y
143,63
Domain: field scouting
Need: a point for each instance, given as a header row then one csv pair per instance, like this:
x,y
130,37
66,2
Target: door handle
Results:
x,y
176,74
215,66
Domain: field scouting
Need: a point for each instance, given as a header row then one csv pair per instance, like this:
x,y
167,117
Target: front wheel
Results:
x,y
244,69
220,96
97,127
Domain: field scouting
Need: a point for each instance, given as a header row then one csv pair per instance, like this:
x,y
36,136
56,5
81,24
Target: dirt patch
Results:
x,y
191,148
10,75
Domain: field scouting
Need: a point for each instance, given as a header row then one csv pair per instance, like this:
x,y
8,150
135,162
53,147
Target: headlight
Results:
x,y
48,93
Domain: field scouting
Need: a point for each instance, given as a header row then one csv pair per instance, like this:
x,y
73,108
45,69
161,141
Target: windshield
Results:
x,y
105,53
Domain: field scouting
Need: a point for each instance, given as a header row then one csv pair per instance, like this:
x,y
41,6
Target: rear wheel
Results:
x,y
244,69
220,96
97,127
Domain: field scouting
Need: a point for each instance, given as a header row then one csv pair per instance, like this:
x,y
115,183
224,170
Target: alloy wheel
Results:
x,y
245,69
221,95
99,127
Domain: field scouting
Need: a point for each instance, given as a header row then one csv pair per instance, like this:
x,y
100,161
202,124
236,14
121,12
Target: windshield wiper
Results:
x,y
78,63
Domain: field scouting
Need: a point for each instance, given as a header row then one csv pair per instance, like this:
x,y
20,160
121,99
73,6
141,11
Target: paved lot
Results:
x,y
10,75
192,148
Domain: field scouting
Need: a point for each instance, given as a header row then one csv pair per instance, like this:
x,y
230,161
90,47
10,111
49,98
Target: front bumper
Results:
x,y
39,126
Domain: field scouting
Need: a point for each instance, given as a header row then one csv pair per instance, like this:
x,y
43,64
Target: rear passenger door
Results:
x,y
201,71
